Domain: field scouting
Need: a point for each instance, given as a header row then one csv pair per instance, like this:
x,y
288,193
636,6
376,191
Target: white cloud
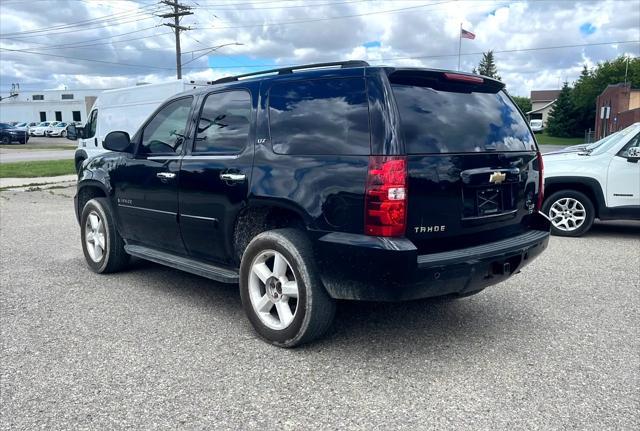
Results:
x,y
419,36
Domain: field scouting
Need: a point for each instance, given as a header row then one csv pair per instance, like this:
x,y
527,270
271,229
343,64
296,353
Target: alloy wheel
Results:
x,y
567,214
95,236
273,290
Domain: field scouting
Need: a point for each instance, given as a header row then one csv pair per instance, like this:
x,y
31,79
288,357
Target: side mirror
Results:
x,y
72,132
117,141
633,154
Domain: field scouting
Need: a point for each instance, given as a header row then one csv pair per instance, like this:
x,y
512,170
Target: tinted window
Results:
x,y
327,116
165,133
224,123
37,97
438,121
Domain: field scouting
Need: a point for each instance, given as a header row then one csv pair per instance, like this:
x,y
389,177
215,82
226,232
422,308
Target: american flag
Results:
x,y
467,34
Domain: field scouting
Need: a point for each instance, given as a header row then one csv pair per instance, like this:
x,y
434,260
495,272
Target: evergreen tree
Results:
x,y
524,103
562,121
487,66
593,82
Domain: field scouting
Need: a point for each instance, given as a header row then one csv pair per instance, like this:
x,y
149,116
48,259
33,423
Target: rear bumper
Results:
x,y
398,273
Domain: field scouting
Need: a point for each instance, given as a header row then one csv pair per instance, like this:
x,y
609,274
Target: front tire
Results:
x,y
6,140
281,290
571,213
102,245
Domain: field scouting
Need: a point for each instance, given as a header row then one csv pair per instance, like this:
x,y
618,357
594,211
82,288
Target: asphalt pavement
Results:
x,y
555,347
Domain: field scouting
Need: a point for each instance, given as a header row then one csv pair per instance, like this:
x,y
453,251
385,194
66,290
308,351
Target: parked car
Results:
x,y
536,126
58,129
600,182
41,128
9,134
22,126
322,182
122,109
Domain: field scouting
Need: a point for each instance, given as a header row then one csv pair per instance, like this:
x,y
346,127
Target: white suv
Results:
x,y
601,181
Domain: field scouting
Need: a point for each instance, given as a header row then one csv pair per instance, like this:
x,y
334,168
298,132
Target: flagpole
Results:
x,y
459,44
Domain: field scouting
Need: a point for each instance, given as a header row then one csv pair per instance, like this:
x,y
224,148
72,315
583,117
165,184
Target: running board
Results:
x,y
207,270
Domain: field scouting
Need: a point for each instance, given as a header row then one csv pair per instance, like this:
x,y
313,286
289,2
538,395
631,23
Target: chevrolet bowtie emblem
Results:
x,y
497,177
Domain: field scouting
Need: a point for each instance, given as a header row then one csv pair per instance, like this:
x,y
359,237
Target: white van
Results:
x,y
123,109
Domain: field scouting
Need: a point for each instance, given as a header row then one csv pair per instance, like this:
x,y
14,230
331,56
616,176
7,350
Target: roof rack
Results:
x,y
287,70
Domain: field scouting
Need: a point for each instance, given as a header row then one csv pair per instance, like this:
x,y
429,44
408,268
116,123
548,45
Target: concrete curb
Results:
x,y
10,183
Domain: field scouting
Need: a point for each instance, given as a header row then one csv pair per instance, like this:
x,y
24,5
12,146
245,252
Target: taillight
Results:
x,y
540,181
386,196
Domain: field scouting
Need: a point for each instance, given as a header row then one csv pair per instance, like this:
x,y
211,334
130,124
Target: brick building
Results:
x,y
617,107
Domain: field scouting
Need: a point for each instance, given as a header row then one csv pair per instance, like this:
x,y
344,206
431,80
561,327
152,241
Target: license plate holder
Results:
x,y
489,201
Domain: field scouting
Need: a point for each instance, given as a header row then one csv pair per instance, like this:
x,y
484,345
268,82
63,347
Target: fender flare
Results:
x,y
591,183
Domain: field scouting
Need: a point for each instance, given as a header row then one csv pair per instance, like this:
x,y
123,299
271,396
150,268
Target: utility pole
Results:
x,y
179,11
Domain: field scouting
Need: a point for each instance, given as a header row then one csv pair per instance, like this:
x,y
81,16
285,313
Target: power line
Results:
x,y
444,55
105,25
105,18
83,44
143,66
288,65
262,24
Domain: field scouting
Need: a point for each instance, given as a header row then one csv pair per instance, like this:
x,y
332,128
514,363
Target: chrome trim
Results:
x,y
212,157
233,177
166,175
159,158
507,213
199,217
146,209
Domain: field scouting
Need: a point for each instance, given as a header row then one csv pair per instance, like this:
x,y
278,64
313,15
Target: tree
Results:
x,y
593,82
487,66
524,103
562,121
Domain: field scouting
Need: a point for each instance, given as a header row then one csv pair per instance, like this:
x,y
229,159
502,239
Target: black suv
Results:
x,y
323,182
9,134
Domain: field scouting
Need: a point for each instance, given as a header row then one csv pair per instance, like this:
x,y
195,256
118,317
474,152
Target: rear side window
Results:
x,y
224,123
439,121
324,116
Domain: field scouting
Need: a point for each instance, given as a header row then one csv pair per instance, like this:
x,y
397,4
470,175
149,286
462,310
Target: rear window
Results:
x,y
439,121
316,117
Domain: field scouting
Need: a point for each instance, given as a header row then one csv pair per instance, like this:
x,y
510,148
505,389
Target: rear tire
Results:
x,y
281,290
102,245
571,213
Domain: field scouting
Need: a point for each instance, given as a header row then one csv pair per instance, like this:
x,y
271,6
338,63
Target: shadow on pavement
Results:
x,y
629,229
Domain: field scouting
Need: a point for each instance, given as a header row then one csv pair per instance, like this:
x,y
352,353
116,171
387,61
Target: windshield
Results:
x,y
43,124
614,139
21,124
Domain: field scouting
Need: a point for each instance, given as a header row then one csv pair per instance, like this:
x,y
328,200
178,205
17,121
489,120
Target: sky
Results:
x,y
57,44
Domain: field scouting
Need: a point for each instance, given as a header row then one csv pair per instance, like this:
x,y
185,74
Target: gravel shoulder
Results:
x,y
555,347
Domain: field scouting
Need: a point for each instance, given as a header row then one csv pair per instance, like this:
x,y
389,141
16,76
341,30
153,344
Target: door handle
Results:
x,y
166,175
236,178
